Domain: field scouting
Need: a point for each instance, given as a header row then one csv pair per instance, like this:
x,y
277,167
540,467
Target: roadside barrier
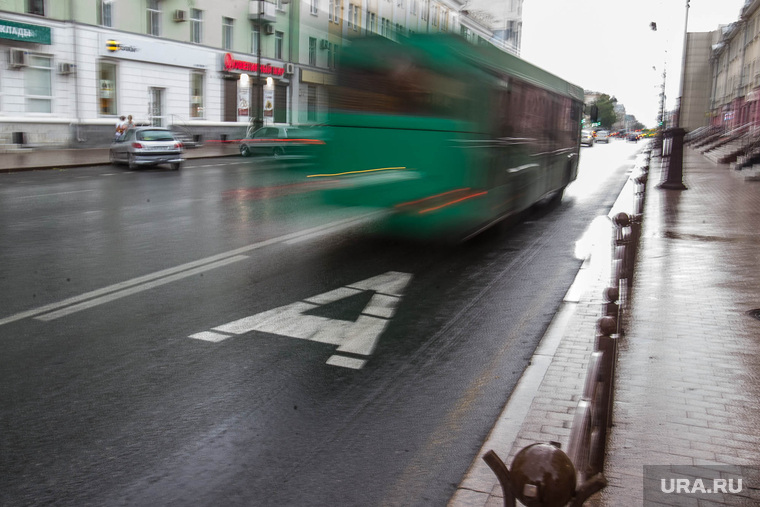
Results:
x,y
542,474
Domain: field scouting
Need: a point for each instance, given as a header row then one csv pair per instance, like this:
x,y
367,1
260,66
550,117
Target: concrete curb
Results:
x,y
479,485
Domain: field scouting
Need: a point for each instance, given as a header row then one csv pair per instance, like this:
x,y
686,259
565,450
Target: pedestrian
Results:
x,y
130,123
121,127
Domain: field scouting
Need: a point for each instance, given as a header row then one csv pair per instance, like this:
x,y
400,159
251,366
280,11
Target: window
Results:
x,y
330,9
351,12
279,5
312,51
336,14
38,83
154,18
106,12
255,40
424,10
385,29
35,7
330,55
444,20
196,26
227,33
314,7
434,16
371,22
399,30
413,7
107,86
278,38
196,95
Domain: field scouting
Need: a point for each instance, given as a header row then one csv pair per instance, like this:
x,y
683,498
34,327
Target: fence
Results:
x,y
542,474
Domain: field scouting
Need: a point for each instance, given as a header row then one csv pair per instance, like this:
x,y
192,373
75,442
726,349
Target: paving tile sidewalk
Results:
x,y
688,385
688,378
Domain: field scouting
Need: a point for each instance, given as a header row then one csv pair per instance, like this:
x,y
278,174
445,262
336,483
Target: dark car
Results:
x,y
270,140
146,146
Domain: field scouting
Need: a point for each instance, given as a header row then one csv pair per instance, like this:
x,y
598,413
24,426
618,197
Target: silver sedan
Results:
x,y
143,146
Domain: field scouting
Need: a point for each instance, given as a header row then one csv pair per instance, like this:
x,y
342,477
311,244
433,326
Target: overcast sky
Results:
x,y
608,46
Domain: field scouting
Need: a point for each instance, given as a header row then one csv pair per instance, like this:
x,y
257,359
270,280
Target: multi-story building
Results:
x,y
734,90
70,68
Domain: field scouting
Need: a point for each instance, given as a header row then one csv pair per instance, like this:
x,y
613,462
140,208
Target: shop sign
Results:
x,y
230,64
153,51
24,32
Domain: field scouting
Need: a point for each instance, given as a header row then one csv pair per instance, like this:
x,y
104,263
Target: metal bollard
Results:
x,y
542,475
606,342
612,308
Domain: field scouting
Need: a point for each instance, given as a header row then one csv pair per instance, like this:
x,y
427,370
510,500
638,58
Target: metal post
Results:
x,y
258,122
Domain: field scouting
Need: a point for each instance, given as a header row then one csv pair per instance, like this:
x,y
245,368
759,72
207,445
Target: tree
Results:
x,y
606,107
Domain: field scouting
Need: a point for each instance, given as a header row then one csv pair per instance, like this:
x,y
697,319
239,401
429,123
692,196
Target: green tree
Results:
x,y
606,106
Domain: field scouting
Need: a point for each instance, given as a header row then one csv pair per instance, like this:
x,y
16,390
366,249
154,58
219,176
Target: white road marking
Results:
x,y
140,288
209,336
360,337
48,195
346,222
347,362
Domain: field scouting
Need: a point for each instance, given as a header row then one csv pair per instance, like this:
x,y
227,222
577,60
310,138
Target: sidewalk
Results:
x,y
33,159
688,374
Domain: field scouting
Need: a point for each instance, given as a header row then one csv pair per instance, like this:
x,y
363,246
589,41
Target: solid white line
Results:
x,y
47,195
134,290
170,271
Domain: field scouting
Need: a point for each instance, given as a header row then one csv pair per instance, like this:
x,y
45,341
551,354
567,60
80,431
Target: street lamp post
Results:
x,y
683,66
258,121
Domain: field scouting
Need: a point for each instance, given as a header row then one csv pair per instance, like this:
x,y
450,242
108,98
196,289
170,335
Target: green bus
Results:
x,y
447,137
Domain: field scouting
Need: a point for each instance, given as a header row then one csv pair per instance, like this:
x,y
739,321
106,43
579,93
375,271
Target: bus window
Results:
x,y
403,89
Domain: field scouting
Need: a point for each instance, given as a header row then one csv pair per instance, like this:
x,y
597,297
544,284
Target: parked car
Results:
x,y
603,136
587,137
145,146
274,140
633,136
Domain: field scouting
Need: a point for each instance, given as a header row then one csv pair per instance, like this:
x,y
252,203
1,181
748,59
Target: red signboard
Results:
x,y
231,64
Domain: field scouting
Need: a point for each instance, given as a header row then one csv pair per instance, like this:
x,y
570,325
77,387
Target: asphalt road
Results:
x,y
153,349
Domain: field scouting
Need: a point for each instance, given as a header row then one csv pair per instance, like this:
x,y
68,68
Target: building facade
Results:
x,y
70,68
734,62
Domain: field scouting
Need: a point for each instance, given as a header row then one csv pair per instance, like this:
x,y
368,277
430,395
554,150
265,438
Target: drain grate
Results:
x,y
754,313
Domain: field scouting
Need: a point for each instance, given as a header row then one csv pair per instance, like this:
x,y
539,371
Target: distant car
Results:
x,y
632,136
146,146
603,136
274,140
587,137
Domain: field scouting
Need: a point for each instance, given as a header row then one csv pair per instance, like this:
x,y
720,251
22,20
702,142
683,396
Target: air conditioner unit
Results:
x,y
290,68
269,29
66,68
180,15
324,44
18,58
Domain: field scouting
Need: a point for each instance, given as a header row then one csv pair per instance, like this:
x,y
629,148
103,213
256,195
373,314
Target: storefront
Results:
x,y
27,86
252,90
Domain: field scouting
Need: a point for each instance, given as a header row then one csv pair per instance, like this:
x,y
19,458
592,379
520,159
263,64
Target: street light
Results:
x,y
683,66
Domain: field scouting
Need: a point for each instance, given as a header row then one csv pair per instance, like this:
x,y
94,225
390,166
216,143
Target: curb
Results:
x,y
479,483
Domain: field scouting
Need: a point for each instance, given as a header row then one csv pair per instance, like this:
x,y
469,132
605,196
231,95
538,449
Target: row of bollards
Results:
x,y
542,475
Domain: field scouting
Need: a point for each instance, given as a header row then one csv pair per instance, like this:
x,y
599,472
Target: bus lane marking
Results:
x,y
352,338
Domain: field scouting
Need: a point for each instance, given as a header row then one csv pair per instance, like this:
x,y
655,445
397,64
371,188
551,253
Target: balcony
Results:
x,y
267,10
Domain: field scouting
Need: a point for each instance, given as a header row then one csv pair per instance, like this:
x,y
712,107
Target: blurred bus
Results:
x,y
446,136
